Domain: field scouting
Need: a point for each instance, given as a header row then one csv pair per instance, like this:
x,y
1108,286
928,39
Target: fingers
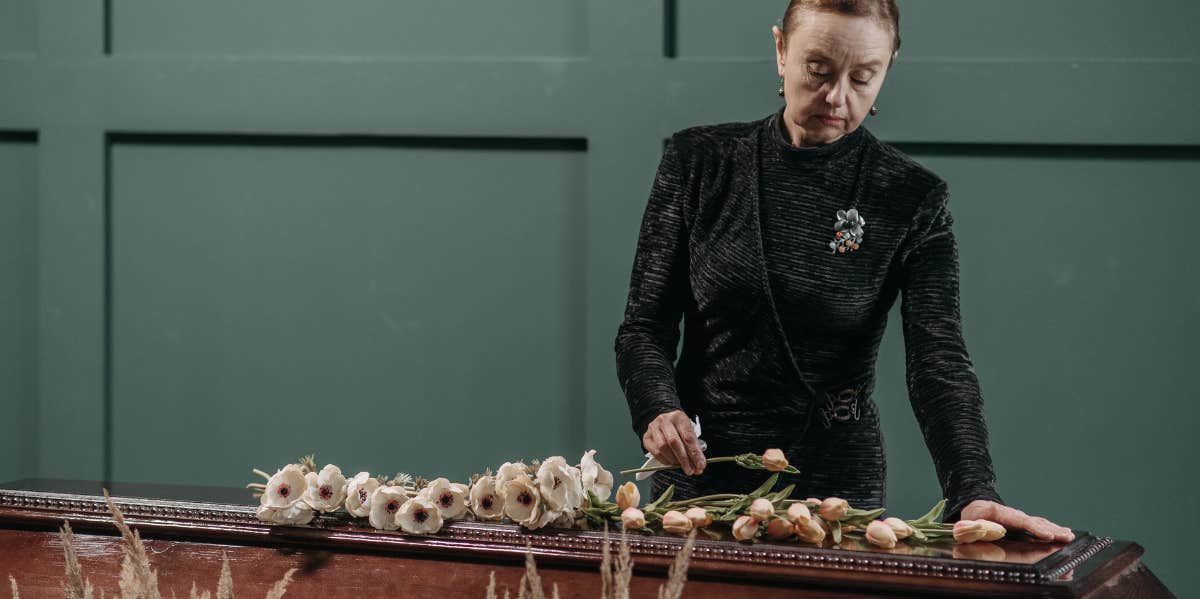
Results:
x,y
676,444
1045,530
657,445
1041,528
683,426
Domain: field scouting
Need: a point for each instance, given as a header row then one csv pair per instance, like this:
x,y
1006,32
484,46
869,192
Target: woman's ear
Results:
x,y
780,49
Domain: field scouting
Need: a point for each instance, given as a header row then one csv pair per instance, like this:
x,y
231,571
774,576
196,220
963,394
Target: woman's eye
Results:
x,y
861,80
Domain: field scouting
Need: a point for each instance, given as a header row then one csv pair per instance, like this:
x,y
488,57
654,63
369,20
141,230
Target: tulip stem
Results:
x,y
675,466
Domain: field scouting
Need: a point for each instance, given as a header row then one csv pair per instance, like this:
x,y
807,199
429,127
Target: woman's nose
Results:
x,y
836,97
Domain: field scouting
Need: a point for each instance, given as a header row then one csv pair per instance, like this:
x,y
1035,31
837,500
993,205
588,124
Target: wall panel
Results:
x,y
390,303
375,28
18,27
18,197
1023,30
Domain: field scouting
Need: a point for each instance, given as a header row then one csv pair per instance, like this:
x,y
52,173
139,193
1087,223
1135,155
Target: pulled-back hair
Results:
x,y
884,11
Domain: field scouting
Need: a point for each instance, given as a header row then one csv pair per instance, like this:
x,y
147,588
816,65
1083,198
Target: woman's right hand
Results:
x,y
671,440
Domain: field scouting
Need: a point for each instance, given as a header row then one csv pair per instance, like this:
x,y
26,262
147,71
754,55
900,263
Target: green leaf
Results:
x,y
766,486
782,494
934,513
735,509
749,461
666,496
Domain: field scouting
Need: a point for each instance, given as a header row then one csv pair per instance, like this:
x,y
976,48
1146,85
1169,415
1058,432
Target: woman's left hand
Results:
x,y
1012,518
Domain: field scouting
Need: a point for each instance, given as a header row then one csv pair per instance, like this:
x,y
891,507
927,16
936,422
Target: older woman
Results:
x,y
783,243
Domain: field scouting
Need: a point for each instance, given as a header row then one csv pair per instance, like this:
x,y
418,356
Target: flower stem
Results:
x,y
676,467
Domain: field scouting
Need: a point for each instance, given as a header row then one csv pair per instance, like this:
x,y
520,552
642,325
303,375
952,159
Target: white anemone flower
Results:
x,y
560,484
564,518
449,498
285,487
358,494
595,478
326,490
420,516
385,507
522,503
297,513
507,472
485,502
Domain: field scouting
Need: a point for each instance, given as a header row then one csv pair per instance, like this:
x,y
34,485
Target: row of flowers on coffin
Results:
x,y
551,493
555,493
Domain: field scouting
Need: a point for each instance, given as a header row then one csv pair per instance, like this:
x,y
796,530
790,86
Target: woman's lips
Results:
x,y
831,120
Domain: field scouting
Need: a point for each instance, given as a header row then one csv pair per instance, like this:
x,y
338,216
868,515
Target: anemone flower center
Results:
x,y
362,496
446,499
284,490
487,503
420,516
392,506
525,498
326,492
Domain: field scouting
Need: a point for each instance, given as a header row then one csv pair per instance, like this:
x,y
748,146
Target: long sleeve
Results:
x,y
942,383
658,290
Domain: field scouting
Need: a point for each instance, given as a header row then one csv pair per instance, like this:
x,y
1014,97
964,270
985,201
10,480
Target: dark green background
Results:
x,y
399,234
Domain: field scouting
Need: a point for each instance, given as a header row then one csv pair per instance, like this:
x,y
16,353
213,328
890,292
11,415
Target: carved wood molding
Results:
x,y
151,513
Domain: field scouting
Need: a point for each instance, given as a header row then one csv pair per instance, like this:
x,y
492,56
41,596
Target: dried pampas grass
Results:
x,y
138,580
677,575
615,575
74,587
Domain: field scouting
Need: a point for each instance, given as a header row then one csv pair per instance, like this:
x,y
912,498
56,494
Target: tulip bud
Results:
x,y
902,529
762,509
779,529
968,531
812,532
880,533
745,527
813,500
675,522
995,530
833,508
799,514
699,517
774,460
628,496
633,519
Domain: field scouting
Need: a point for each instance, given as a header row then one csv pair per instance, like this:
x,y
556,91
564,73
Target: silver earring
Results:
x,y
781,86
874,111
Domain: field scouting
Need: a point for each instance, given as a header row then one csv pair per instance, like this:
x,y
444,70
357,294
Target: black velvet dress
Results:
x,y
781,330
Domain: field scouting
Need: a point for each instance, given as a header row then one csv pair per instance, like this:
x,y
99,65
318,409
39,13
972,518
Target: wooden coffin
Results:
x,y
188,529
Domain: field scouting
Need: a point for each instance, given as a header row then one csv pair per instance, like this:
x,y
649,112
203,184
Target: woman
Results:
x,y
783,243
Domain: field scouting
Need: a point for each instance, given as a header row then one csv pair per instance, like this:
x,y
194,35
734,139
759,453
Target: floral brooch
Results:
x,y
849,231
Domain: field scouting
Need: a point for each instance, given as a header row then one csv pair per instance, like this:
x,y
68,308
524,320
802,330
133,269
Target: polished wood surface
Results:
x,y
186,538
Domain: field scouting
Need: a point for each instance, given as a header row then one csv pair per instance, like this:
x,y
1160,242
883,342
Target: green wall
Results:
x,y
400,234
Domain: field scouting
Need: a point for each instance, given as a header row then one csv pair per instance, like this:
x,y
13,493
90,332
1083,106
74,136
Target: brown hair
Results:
x,y
884,11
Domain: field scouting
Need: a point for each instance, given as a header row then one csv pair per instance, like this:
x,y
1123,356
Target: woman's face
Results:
x,y
832,67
